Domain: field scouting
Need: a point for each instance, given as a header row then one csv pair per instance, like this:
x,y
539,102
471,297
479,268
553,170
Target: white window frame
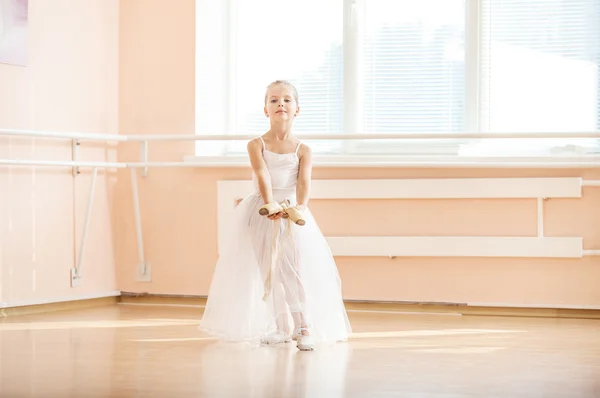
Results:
x,y
353,104
353,96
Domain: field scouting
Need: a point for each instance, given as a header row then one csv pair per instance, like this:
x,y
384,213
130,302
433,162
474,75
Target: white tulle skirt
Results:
x,y
272,275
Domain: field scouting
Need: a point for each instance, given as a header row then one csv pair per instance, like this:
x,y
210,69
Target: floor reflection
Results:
x,y
277,371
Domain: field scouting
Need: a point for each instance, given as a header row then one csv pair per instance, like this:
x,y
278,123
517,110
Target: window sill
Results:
x,y
392,161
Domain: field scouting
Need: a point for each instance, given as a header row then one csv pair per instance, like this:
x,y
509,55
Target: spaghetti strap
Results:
x,y
298,147
263,143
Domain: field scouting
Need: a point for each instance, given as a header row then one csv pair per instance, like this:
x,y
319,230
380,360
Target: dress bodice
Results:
x,y
283,169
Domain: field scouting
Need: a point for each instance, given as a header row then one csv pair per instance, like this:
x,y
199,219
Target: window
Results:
x,y
539,71
262,41
413,66
390,66
411,70
274,40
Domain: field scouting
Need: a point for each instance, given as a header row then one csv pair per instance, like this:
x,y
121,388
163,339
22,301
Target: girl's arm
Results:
x,y
304,176
260,169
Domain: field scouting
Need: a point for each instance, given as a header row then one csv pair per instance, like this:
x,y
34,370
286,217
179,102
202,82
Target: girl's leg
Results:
x,y
296,296
281,309
299,314
262,243
292,284
281,312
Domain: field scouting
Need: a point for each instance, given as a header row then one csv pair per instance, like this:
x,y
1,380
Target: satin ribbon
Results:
x,y
275,252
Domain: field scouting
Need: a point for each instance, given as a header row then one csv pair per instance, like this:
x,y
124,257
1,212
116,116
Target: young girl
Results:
x,y
276,280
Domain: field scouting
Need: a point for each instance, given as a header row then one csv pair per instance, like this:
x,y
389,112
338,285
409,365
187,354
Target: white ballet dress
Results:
x,y
272,270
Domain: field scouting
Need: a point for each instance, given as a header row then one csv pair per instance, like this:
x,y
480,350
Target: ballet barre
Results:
x,y
327,136
143,269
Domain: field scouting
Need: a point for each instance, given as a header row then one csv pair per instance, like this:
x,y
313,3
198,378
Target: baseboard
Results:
x,y
463,309
161,299
58,304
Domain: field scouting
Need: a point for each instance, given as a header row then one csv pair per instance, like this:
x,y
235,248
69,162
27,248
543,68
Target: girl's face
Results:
x,y
281,104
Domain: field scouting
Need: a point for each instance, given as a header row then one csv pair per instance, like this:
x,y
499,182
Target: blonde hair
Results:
x,y
285,83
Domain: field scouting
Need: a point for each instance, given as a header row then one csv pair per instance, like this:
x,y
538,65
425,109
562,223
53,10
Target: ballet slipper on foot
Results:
x,y
270,208
296,334
304,342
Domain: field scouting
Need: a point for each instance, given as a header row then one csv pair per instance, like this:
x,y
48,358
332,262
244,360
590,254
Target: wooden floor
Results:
x,y
129,350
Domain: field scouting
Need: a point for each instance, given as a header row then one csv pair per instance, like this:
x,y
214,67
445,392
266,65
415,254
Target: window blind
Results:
x,y
539,65
299,41
413,65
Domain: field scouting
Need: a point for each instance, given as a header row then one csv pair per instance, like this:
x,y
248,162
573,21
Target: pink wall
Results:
x,y
70,84
179,205
131,70
156,96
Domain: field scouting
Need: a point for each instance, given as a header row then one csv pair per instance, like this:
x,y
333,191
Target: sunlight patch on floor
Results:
x,y
442,332
459,350
173,340
7,326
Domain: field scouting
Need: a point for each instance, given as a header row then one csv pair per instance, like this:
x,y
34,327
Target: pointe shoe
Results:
x,y
294,214
304,342
270,208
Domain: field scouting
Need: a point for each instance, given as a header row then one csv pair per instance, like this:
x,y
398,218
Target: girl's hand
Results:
x,y
277,216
